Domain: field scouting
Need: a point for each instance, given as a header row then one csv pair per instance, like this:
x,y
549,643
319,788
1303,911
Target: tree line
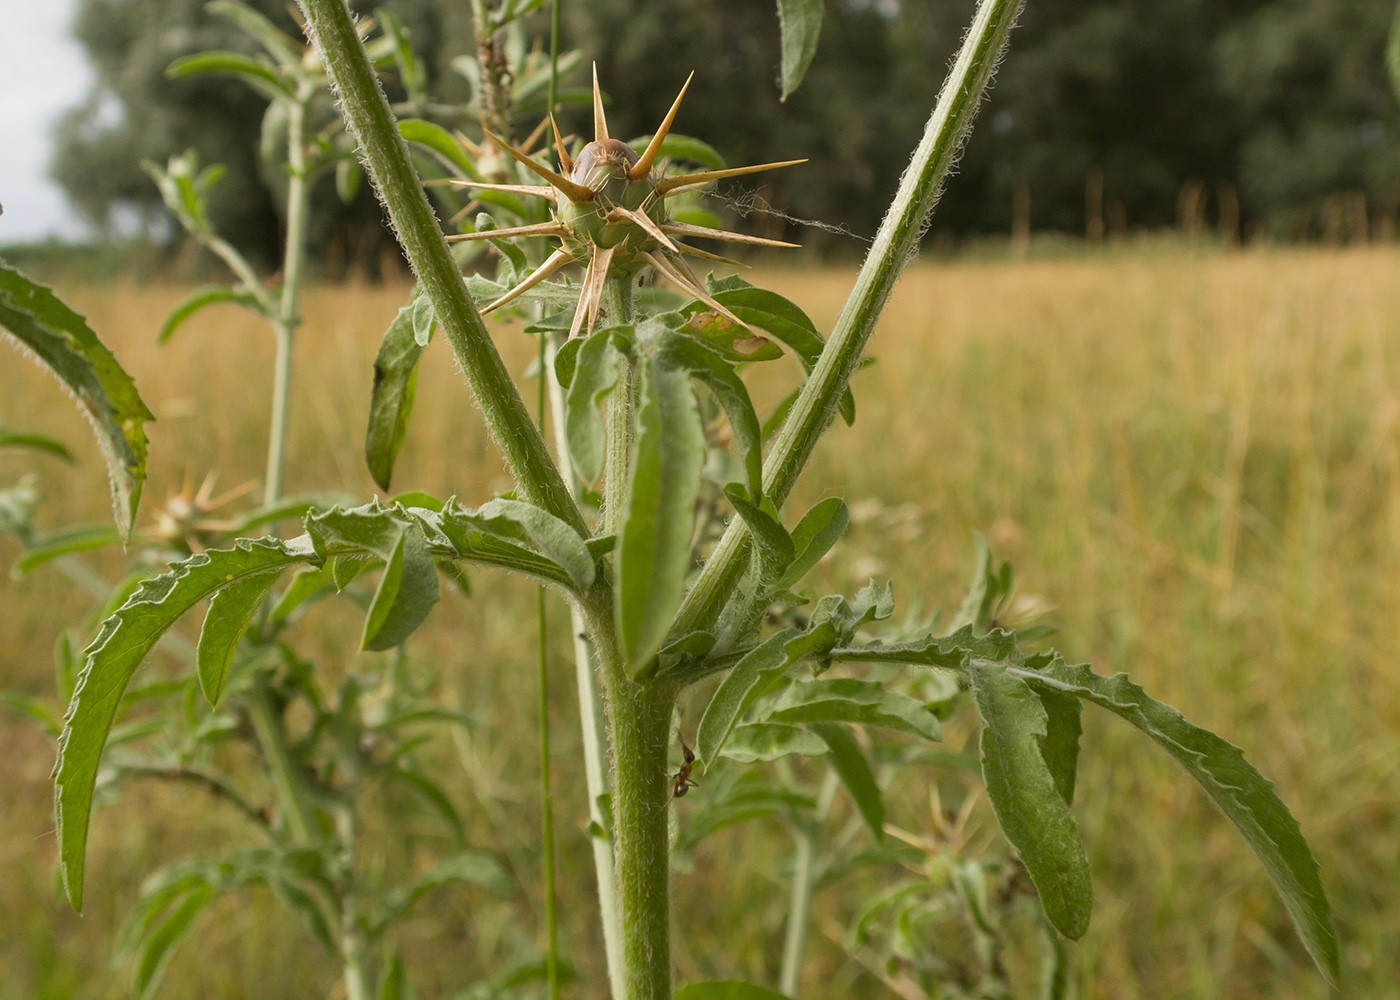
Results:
x,y
1270,117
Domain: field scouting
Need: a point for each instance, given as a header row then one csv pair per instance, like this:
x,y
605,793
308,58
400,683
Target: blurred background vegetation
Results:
x,y
1262,118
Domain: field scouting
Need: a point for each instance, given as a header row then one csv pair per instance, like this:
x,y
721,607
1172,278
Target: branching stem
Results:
x,y
895,244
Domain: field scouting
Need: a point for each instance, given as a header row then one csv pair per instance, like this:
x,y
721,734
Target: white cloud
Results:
x,y
43,72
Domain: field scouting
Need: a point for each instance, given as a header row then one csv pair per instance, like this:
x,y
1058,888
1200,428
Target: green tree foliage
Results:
x,y
135,112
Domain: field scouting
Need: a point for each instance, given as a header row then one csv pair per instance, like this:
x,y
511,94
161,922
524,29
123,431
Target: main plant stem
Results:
x,y
592,724
894,246
294,253
368,116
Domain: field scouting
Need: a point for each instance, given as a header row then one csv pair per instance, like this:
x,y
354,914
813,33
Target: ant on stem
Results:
x,y
681,781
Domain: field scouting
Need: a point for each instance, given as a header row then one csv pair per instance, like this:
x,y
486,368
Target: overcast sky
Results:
x,y
42,73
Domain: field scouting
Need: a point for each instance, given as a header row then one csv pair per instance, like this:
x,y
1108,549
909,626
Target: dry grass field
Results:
x,y
1194,457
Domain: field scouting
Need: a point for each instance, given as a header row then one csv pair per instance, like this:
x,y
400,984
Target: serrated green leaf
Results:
x,y
539,530
681,350
258,73
767,741
846,699
35,442
61,340
800,22
984,592
391,399
820,528
853,769
653,547
750,677
62,543
593,371
122,643
230,613
201,297
408,587
1028,805
950,651
1245,796
727,989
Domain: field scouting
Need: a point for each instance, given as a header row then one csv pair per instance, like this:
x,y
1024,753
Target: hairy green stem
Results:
x,y
592,725
551,917
639,727
386,157
800,904
354,946
293,255
895,244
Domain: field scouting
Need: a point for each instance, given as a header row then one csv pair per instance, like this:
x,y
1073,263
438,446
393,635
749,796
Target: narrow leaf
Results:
x,y
848,700
774,545
257,73
820,529
198,299
1060,747
391,400
111,659
749,678
727,989
770,740
1245,796
801,25
230,613
62,341
653,548
681,350
36,442
80,539
160,944
1028,805
279,45
441,142
593,373
854,771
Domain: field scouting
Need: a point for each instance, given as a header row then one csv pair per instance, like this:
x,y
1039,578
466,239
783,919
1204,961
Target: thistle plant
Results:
x,y
665,599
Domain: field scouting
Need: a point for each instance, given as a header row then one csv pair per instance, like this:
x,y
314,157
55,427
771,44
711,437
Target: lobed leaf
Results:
x,y
61,340
1245,796
653,546
1028,804
122,643
408,587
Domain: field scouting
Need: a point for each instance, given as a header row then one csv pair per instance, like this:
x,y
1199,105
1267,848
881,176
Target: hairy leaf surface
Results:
x,y
1029,807
111,659
61,340
1241,792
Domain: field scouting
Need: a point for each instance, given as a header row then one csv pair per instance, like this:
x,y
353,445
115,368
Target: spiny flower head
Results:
x,y
610,214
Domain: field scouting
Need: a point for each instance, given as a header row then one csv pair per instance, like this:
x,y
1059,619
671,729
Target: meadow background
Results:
x,y
1191,455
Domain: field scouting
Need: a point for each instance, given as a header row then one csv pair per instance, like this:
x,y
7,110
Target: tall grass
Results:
x,y
1193,457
